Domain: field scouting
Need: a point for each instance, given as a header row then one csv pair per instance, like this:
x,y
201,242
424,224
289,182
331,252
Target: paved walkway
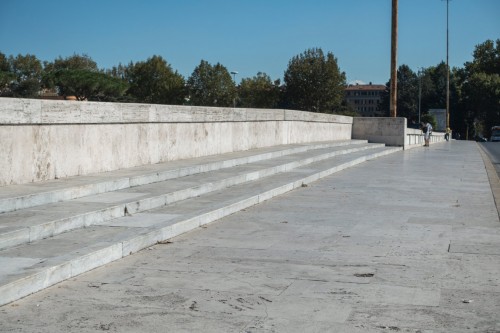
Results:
x,y
409,242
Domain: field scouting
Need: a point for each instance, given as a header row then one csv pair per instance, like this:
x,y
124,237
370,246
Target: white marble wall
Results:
x,y
42,140
391,131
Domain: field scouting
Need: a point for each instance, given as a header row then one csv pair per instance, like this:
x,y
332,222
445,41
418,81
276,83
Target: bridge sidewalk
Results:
x,y
407,242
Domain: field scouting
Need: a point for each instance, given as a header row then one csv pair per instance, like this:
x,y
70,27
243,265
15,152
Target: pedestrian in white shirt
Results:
x,y
427,130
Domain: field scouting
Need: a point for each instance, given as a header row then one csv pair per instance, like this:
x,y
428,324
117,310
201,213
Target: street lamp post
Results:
x,y
419,93
447,69
234,76
234,79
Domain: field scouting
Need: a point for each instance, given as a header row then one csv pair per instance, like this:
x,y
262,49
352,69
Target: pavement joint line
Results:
x,y
27,285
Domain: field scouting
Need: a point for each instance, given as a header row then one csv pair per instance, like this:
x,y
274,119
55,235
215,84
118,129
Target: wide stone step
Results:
x,y
32,267
17,197
31,224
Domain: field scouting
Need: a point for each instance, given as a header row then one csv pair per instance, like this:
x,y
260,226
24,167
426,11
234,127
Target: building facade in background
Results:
x,y
365,98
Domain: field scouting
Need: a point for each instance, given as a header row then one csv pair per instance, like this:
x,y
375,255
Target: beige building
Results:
x,y
365,98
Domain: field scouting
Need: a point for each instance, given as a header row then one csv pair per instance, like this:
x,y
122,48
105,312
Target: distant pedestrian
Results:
x,y
427,130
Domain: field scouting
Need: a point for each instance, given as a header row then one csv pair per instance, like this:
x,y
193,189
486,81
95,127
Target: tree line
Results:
x,y
474,91
313,82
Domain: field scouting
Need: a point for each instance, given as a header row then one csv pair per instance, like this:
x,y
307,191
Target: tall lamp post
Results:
x,y
447,69
419,93
234,76
234,79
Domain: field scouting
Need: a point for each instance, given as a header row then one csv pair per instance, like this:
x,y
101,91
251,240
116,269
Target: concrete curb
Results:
x,y
492,177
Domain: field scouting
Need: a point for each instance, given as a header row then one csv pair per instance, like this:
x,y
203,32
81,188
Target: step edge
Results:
x,y
158,235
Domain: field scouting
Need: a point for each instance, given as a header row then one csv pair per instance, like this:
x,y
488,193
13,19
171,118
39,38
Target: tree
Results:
x,y
211,86
313,82
486,58
76,61
457,108
154,81
407,94
78,75
259,92
431,81
480,87
346,109
483,96
88,85
434,96
120,71
26,76
6,75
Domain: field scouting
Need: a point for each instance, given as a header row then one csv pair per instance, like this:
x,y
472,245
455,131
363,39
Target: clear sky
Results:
x,y
249,36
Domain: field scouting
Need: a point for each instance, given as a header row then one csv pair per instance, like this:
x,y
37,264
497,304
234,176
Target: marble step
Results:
x,y
31,224
23,196
29,268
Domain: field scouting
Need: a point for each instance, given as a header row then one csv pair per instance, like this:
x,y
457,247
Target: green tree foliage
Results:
x,y
154,81
457,109
78,75
432,84
434,90
482,101
408,85
313,82
88,85
211,86
259,92
76,61
346,109
6,76
26,76
486,58
120,71
480,89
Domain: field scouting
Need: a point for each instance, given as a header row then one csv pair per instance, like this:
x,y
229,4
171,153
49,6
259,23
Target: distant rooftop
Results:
x,y
365,87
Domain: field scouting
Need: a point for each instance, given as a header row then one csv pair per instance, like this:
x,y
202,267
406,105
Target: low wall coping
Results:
x,y
21,111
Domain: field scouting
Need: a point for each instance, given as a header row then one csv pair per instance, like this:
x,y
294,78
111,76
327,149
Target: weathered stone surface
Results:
x,y
365,250
93,230
57,139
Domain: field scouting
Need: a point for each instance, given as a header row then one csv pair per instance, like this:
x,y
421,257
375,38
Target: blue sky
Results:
x,y
249,36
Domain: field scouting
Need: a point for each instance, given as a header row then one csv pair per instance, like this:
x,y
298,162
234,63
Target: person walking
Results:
x,y
427,130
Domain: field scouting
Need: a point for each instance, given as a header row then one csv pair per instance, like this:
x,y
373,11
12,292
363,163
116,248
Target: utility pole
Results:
x,y
419,93
394,64
234,79
447,69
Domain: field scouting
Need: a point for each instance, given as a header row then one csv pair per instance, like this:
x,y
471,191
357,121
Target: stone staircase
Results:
x,y
55,230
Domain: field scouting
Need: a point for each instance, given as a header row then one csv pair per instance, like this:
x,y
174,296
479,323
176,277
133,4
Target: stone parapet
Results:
x,y
45,139
391,131
34,111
